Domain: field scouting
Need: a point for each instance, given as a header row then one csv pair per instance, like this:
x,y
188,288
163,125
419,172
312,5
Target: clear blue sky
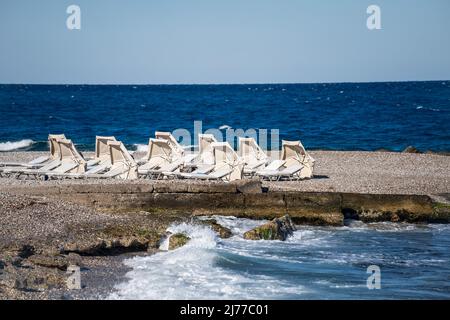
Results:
x,y
223,41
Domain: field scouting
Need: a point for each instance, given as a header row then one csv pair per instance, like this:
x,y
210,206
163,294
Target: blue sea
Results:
x,y
315,263
340,116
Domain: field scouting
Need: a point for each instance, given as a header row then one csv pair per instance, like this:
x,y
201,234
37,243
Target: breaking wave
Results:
x,y
15,145
141,147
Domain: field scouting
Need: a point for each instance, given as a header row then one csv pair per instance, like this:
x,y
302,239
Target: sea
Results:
x,y
409,261
326,116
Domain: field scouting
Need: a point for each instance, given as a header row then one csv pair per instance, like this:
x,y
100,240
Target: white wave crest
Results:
x,y
14,145
141,147
198,270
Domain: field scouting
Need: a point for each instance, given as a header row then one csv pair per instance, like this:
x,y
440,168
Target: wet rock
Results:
x,y
178,240
411,149
222,232
277,229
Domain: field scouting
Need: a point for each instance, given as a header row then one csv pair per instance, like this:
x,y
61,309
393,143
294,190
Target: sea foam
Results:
x,y
200,270
14,145
141,147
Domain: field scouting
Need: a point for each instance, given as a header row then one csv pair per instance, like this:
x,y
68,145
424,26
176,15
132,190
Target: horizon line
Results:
x,y
219,84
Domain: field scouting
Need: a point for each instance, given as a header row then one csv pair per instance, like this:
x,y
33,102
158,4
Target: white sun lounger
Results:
x,y
253,155
200,169
123,166
102,152
100,163
218,174
70,161
160,153
205,148
19,171
294,151
227,165
177,149
291,173
165,170
42,160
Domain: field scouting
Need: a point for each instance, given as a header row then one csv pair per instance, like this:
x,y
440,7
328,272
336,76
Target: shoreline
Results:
x,y
98,223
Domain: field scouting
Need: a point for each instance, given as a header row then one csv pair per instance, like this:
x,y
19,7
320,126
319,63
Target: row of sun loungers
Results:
x,y
166,159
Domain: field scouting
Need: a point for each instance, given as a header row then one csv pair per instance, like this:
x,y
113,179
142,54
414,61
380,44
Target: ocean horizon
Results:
x,y
326,116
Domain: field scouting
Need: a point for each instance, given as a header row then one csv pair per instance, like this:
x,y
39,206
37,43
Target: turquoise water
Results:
x,y
315,263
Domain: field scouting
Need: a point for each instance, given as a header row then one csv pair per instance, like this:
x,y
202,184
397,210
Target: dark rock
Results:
x,y
222,232
248,186
277,229
177,240
411,149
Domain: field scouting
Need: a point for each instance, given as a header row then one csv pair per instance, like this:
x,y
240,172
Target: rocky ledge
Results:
x,y
277,229
41,237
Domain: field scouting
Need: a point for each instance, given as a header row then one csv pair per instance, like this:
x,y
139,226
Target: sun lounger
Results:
x,y
254,157
70,161
102,151
274,165
227,165
100,163
205,148
218,174
19,171
123,166
199,169
165,170
294,151
177,149
40,161
159,154
291,173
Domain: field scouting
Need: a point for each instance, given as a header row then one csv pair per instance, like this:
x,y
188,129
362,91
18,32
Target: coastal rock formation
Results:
x,y
222,232
277,229
178,240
